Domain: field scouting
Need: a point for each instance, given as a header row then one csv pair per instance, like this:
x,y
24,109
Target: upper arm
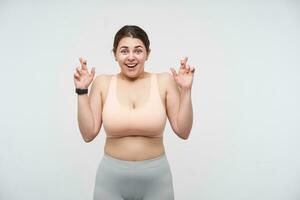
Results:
x,y
172,100
96,102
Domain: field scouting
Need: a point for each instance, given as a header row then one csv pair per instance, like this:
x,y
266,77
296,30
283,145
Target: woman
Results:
x,y
133,106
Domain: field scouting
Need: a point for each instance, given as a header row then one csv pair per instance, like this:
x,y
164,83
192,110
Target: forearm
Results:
x,y
85,118
185,114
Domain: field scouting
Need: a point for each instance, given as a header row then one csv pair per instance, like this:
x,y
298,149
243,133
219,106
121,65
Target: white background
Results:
x,y
244,144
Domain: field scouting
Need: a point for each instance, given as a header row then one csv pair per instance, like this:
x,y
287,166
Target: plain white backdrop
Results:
x,y
244,144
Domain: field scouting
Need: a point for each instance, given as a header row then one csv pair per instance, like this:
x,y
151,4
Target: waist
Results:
x,y
135,164
134,147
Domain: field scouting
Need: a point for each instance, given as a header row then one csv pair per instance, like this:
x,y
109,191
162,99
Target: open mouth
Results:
x,y
131,65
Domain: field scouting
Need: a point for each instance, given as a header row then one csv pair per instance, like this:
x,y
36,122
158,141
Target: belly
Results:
x,y
134,148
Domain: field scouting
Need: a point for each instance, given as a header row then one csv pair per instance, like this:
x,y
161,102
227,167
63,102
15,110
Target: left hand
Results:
x,y
184,78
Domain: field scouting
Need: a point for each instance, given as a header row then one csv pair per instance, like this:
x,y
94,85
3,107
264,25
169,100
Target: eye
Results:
x,y
123,51
138,51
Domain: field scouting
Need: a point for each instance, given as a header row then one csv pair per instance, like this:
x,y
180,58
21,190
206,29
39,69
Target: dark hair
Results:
x,y
134,32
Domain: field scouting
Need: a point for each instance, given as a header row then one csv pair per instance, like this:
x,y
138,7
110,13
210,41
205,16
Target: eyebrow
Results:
x,y
134,47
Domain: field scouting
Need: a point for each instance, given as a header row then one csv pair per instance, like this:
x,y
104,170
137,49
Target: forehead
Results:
x,y
130,42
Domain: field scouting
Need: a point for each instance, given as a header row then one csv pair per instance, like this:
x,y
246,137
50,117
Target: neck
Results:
x,y
141,76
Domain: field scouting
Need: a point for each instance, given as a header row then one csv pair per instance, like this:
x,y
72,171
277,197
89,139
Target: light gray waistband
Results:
x,y
135,164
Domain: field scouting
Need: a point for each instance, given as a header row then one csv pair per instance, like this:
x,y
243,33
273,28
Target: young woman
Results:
x,y
133,106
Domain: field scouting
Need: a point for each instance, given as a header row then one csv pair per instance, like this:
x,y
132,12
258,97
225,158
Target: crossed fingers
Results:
x,y
83,66
185,68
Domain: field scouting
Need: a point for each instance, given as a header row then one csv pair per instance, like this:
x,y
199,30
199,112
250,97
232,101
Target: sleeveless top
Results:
x,y
148,120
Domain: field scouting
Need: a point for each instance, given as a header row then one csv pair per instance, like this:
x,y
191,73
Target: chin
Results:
x,y
133,74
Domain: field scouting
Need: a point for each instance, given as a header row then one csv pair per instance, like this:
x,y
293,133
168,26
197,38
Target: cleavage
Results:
x,y
132,96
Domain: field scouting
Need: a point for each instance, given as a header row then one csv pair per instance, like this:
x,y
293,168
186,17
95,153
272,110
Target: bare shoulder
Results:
x,y
165,79
102,77
102,80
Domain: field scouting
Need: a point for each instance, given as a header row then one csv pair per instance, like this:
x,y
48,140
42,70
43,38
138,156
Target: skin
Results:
x,y
131,51
174,89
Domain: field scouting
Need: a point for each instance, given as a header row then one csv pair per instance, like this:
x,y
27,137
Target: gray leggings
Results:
x,y
134,180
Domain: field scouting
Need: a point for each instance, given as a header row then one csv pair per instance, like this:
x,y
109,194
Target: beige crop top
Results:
x,y
120,121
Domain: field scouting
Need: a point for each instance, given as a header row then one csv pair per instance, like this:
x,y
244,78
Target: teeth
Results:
x,y
131,65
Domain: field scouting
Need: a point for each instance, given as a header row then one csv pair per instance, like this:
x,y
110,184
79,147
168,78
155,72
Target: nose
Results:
x,y
131,56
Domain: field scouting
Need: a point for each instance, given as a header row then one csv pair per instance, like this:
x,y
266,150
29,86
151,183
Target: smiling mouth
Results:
x,y
131,65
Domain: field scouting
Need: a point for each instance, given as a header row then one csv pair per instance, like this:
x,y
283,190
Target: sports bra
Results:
x,y
148,120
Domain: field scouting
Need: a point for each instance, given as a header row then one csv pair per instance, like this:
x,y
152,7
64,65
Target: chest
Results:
x,y
134,96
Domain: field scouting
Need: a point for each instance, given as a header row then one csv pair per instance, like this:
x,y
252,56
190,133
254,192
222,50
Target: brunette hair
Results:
x,y
134,32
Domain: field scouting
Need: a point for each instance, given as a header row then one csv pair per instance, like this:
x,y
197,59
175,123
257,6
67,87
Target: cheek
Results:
x,y
121,59
142,58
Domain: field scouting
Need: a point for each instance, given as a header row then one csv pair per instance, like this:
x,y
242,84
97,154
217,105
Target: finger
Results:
x,y
182,70
83,63
76,75
187,68
183,62
93,71
182,65
84,66
79,71
174,73
192,70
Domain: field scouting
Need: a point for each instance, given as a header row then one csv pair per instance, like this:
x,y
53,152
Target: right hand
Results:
x,y
82,78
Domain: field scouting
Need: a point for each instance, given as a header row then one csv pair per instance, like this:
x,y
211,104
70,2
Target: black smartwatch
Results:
x,y
81,91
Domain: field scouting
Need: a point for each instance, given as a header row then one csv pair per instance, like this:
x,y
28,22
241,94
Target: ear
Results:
x,y
148,53
115,56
